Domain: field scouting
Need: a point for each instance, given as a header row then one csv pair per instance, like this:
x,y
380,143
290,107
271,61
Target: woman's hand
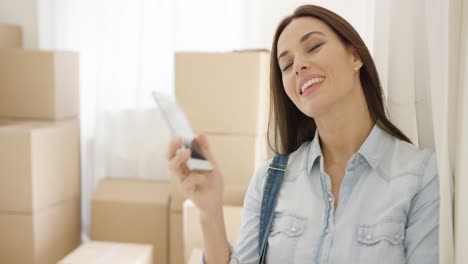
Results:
x,y
204,188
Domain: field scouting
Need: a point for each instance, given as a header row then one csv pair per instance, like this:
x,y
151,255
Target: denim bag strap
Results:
x,y
271,189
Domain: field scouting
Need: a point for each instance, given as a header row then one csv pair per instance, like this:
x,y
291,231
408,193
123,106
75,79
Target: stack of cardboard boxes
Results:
x,y
39,152
226,97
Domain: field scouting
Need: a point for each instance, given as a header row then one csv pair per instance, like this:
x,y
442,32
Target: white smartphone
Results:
x,y
180,126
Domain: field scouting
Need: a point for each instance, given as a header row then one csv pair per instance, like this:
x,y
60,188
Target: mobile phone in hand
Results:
x,y
180,126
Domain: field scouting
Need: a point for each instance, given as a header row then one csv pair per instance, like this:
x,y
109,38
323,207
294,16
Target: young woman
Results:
x,y
347,186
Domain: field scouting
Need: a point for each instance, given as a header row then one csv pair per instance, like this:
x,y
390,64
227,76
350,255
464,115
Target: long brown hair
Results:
x,y
292,127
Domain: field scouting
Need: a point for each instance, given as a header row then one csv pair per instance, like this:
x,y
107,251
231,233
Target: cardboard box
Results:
x,y
42,237
233,195
176,243
39,84
39,164
224,93
94,252
192,231
195,256
132,211
238,157
10,36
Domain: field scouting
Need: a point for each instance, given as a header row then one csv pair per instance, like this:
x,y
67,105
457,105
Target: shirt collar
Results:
x,y
372,149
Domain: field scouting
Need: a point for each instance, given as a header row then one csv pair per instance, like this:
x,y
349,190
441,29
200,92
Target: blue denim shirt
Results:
x,y
388,208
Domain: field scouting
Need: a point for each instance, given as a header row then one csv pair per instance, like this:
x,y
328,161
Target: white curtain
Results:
x,y
421,53
126,51
461,154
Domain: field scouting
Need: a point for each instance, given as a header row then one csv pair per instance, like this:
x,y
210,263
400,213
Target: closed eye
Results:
x,y
310,51
285,68
315,47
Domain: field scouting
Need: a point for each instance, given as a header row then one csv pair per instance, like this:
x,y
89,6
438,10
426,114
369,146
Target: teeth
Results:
x,y
312,81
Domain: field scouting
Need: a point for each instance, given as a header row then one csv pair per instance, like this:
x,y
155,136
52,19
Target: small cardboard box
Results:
x,y
97,252
132,211
39,84
42,237
225,93
233,195
192,231
10,36
39,164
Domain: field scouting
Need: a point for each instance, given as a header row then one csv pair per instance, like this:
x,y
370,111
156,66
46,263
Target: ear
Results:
x,y
357,62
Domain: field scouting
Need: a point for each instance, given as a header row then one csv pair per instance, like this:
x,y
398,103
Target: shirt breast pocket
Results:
x,y
381,242
284,234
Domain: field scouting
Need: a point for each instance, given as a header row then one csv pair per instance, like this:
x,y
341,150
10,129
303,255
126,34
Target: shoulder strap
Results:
x,y
271,189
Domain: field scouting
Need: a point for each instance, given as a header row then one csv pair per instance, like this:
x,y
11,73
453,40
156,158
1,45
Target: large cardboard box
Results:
x,y
96,252
39,164
192,231
224,93
10,36
39,84
132,211
238,157
41,237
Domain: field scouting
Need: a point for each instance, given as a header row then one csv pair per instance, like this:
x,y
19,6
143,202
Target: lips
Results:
x,y
310,81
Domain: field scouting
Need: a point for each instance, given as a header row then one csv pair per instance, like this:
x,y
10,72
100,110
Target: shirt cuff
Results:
x,y
232,258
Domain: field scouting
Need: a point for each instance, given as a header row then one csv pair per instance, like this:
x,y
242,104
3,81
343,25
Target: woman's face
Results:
x,y
318,69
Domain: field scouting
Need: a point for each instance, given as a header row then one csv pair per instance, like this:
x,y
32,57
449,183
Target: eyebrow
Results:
x,y
303,38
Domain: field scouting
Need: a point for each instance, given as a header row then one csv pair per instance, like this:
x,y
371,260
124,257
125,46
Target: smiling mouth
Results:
x,y
312,83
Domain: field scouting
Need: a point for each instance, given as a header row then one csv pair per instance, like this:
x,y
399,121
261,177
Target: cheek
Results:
x,y
289,85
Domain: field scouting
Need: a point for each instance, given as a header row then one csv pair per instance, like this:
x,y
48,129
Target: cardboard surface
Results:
x,y
10,36
195,256
39,84
132,211
43,237
225,93
192,231
39,164
176,243
238,157
97,252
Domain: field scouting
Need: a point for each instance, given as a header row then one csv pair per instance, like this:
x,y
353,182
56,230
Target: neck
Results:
x,y
343,130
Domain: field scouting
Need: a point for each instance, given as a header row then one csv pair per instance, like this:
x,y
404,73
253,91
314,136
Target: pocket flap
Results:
x,y
290,225
392,231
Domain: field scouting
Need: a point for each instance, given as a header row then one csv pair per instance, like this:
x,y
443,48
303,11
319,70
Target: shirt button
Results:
x,y
397,236
293,229
368,237
330,199
327,230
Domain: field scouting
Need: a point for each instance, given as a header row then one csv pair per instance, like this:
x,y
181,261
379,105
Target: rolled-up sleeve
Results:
x,y
422,231
246,249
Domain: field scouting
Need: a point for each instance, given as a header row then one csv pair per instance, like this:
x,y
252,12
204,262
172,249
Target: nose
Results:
x,y
299,66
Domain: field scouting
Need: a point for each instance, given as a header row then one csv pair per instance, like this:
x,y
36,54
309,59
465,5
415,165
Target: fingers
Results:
x,y
192,182
177,165
174,145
